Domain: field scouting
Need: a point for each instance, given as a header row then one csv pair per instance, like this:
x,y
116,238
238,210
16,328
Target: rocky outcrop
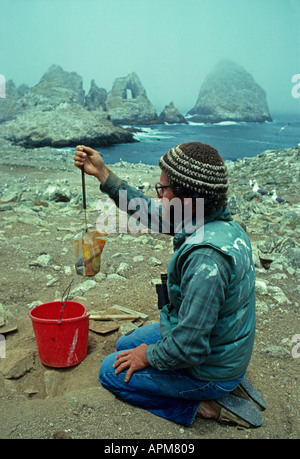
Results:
x,y
56,113
12,105
229,93
56,87
171,115
127,102
66,126
96,97
274,226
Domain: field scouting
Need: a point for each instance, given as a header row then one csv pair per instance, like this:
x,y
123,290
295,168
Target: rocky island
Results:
x,y
127,102
56,112
230,93
171,115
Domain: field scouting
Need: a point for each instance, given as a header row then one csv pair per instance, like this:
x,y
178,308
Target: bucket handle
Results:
x,y
64,303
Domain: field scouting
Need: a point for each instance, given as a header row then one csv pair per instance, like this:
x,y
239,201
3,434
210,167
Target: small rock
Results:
x,y
278,295
62,435
5,207
261,287
56,268
126,327
34,304
278,276
293,257
51,282
100,276
57,194
123,269
17,363
30,392
116,277
11,196
42,261
278,352
155,261
138,258
126,237
116,255
84,287
261,307
145,240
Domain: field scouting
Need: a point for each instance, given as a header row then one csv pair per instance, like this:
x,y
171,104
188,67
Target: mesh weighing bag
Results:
x,y
88,250
88,244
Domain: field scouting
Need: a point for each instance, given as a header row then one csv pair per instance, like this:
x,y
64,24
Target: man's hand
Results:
x,y
92,161
135,359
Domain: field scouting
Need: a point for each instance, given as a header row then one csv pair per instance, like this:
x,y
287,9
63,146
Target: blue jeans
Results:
x,y
170,394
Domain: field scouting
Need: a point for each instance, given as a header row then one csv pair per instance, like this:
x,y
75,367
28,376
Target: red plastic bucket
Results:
x,y
61,341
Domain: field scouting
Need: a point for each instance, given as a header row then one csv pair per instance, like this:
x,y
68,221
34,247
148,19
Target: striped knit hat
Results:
x,y
197,167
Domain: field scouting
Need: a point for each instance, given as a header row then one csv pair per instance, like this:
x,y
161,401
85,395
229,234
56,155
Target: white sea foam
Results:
x,y
150,134
229,123
221,123
191,123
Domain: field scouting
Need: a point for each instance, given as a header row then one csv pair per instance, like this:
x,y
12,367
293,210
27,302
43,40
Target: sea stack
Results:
x,y
171,115
230,93
127,102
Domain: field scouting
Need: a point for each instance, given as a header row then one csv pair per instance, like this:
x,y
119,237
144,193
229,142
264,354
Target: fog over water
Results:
x,y
171,44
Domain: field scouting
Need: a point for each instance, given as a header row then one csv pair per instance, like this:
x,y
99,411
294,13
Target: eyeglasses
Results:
x,y
159,187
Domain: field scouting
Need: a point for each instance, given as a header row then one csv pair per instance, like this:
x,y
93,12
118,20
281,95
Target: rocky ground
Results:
x,y
37,228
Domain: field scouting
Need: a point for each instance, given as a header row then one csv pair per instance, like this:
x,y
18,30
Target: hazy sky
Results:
x,y
170,44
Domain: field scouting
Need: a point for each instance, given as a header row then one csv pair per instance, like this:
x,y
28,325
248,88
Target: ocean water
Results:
x,y
232,140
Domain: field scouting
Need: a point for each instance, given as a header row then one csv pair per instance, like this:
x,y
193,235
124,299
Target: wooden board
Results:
x,y
130,311
113,317
104,327
107,321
